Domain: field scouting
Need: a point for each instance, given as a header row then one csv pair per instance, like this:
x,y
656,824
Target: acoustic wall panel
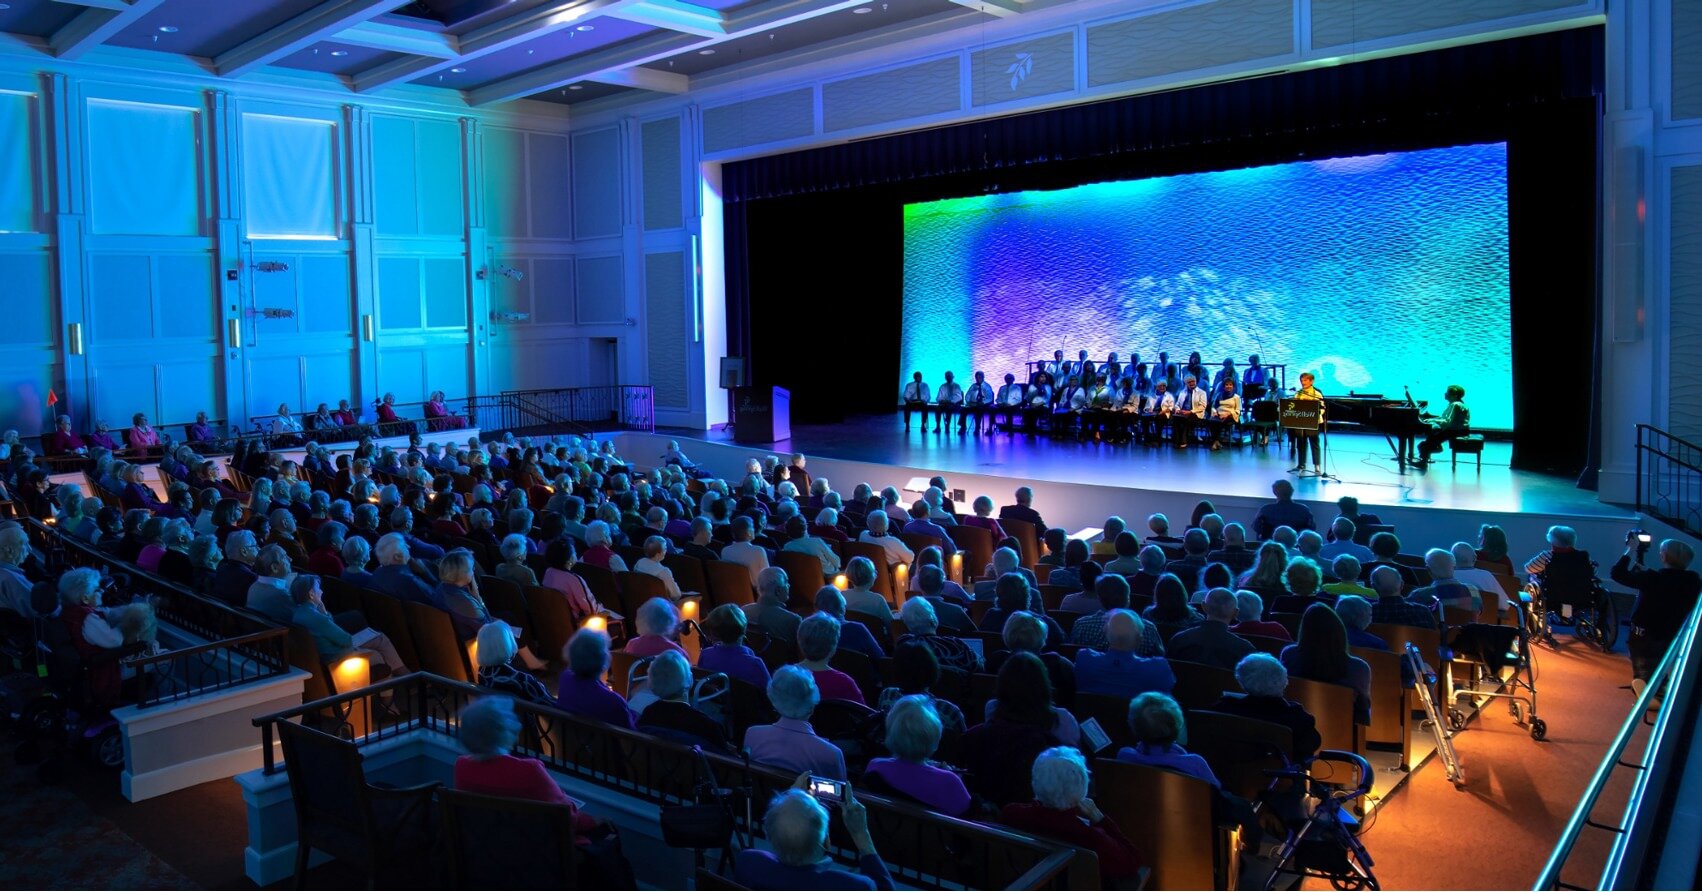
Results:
x,y
1038,67
417,176
505,184
26,277
445,292
323,285
19,203
1340,22
1684,329
599,290
914,91
1204,35
1686,60
552,291
185,387
120,289
186,296
765,119
399,293
445,370
289,177
665,325
402,372
597,183
547,186
144,166
662,175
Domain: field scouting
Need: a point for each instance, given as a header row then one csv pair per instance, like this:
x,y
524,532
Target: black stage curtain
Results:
x,y
814,238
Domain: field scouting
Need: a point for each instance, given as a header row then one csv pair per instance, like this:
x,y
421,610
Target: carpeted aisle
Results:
x,y
1499,830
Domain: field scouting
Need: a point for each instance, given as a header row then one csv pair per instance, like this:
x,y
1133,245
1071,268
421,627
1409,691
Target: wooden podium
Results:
x,y
761,414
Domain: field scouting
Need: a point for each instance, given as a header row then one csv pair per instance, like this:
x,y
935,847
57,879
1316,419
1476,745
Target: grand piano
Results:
x,y
1397,420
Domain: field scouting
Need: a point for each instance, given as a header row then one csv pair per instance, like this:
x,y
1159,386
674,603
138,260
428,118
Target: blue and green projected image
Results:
x,y
1374,272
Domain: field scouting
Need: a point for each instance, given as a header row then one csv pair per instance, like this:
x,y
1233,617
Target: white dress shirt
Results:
x,y
818,547
655,568
1010,395
1160,403
916,392
1080,399
752,556
980,394
951,393
896,551
1192,402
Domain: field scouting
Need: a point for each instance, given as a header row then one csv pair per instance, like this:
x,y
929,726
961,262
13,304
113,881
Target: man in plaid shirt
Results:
x,y
1113,593
1391,608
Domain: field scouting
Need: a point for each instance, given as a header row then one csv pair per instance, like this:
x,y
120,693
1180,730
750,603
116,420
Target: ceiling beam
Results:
x,y
115,5
92,27
686,18
1001,8
484,41
645,79
400,39
757,18
322,22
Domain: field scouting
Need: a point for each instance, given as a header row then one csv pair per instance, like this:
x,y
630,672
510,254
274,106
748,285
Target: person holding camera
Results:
x,y
796,825
1665,598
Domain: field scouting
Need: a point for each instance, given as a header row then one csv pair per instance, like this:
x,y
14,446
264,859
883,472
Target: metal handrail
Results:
x,y
1678,658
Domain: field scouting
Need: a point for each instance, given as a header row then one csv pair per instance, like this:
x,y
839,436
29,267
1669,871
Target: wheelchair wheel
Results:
x,y
1456,719
1606,623
1539,729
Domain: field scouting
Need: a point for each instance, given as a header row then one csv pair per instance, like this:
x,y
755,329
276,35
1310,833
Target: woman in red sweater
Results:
x,y
489,729
1062,811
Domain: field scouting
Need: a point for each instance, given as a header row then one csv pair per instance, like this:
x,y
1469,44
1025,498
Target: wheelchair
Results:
x,y
1573,596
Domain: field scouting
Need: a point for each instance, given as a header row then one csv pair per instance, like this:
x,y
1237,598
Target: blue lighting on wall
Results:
x,y
1374,272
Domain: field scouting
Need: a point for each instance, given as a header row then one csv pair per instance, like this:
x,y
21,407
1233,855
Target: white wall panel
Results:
x,y
666,327
765,119
1202,35
20,204
1337,22
913,91
144,168
597,183
1684,333
599,290
417,177
662,177
289,177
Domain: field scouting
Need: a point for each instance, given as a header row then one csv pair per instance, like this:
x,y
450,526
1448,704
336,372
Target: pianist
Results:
x,y
1455,421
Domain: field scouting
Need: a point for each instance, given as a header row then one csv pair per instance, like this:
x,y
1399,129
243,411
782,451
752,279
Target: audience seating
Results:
x,y
601,582
729,583
529,844
688,573
1027,536
804,576
1238,749
1199,685
877,556
635,589
976,545
385,614
552,622
1331,705
440,651
1390,713
1168,816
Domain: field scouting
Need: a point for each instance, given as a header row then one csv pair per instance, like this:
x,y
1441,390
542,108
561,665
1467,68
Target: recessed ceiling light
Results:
x,y
5,6
168,29
457,71
706,52
586,28
861,10
339,52
576,87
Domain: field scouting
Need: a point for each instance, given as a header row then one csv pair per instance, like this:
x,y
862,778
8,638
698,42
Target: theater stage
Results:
x,y
1079,484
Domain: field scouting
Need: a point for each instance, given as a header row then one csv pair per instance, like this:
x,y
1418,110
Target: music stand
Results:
x,y
1307,416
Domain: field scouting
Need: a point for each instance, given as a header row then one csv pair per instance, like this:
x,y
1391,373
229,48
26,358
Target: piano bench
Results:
x,y
1470,444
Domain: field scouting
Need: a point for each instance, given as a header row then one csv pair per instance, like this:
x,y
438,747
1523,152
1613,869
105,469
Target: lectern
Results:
x,y
761,414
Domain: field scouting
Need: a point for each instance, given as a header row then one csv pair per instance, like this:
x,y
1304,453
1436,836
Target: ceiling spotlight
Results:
x,y
339,52
168,29
586,28
457,71
5,6
706,52
861,10
576,87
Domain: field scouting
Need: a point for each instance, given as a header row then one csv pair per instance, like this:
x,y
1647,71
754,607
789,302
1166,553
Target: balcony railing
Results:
x,y
1669,478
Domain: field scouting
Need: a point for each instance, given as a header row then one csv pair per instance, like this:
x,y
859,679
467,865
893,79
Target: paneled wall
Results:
x,y
172,244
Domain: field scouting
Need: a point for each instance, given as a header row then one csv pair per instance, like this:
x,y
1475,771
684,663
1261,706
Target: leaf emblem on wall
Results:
x,y
1020,69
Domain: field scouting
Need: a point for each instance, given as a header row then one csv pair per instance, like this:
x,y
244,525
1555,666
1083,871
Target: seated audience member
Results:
x,y
1320,653
933,589
513,567
1055,539
1249,612
283,535
1105,547
922,525
269,593
818,638
1119,669
1069,575
1152,562
670,714
1005,560
913,731
657,624
1384,548
204,559
1023,509
1492,550
1170,604
1444,589
1301,580
1158,727
983,518
790,743
655,550
1212,642
796,827
1265,682
1021,723
724,632
1342,532
1285,511
1355,613
769,612
701,544
1061,810
489,729
330,639
1087,600
1025,633
1394,609
1308,544
1346,569
141,434
581,691
1467,572
1113,594
917,670
497,672
1234,553
1011,595
860,597
876,534
803,543
63,440
601,552
1127,547
327,557
853,635
923,625
356,554
741,550
458,594
1195,546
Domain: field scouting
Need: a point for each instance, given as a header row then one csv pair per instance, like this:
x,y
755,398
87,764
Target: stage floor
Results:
x,y
1364,464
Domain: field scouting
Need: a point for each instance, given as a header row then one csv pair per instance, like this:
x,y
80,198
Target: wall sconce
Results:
x,y
508,316
270,266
